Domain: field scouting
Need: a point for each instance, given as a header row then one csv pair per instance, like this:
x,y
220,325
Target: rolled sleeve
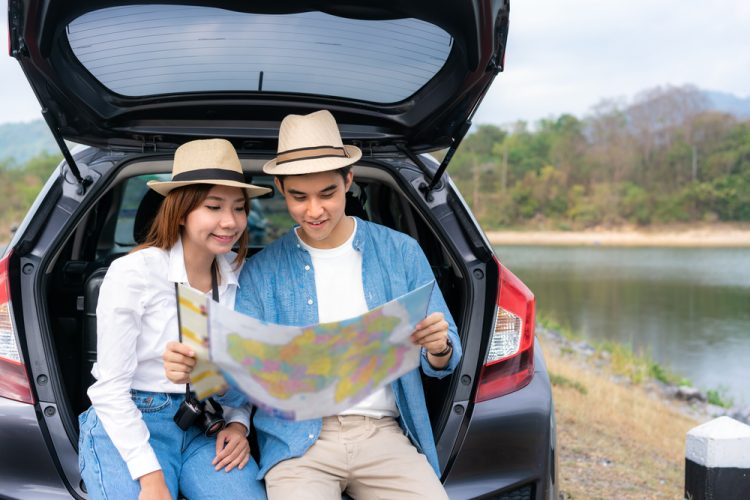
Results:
x,y
239,414
233,398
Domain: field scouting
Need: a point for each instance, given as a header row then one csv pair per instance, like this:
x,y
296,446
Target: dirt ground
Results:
x,y
716,235
615,439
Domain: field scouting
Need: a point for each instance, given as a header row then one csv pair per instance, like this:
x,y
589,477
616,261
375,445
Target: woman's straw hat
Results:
x,y
309,144
207,161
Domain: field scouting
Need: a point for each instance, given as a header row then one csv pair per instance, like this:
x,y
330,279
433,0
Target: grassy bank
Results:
x,y
616,438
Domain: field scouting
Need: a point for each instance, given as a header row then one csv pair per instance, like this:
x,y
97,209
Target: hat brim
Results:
x,y
314,165
164,187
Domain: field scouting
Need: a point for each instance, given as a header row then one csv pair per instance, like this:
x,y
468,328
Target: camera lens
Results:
x,y
212,424
212,420
215,428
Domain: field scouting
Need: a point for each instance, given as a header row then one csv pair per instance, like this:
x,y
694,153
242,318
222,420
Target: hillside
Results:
x,y
19,142
729,103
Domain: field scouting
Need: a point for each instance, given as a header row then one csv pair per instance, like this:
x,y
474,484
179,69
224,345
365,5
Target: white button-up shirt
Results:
x,y
136,317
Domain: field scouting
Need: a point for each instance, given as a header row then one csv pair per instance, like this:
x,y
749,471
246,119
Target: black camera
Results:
x,y
208,415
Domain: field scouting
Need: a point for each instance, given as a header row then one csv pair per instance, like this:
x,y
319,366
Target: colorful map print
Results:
x,y
301,372
353,356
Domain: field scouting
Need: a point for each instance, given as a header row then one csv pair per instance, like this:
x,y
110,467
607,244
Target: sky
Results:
x,y
566,56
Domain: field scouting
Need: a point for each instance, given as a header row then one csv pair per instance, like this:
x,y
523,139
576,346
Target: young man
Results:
x,y
332,267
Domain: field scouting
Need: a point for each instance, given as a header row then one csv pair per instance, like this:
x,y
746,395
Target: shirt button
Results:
x,y
309,301
307,268
310,436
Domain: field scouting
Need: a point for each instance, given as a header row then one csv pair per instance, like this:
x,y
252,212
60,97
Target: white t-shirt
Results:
x,y
341,295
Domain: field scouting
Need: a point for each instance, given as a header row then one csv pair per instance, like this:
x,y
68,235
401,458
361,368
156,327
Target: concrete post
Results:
x,y
717,461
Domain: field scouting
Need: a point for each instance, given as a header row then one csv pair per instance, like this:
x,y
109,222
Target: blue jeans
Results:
x,y
185,457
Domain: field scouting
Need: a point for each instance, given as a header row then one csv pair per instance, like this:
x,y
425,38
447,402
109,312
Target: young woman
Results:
x,y
130,445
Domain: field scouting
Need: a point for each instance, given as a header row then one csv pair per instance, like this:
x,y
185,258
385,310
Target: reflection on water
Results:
x,y
689,308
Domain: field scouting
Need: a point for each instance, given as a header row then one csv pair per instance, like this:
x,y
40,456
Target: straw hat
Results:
x,y
309,144
207,161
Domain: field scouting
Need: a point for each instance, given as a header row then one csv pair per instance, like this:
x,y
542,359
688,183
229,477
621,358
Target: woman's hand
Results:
x,y
179,361
154,487
232,447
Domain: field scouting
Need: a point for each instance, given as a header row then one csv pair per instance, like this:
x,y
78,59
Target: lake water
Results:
x,y
688,308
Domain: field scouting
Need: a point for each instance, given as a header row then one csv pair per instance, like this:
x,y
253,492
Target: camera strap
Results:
x,y
214,296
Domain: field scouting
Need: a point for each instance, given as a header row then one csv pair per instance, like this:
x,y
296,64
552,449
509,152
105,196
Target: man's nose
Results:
x,y
314,208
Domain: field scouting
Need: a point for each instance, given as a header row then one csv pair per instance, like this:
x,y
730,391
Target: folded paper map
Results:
x,y
300,372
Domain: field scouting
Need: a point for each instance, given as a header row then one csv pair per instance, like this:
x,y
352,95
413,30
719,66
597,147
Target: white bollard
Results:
x,y
717,460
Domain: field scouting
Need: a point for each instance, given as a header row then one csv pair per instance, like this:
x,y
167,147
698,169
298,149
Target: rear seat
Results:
x,y
144,216
91,297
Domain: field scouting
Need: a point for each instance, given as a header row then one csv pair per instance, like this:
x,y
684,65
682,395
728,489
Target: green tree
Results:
x,y
19,186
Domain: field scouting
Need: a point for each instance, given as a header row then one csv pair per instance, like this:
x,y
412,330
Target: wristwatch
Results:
x,y
446,351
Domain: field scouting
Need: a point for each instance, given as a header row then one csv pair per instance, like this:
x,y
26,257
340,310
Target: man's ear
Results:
x,y
348,180
278,185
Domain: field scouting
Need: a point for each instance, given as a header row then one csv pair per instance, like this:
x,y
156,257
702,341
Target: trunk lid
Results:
x,y
146,76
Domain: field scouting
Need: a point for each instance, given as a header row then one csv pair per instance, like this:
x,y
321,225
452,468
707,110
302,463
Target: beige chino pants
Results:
x,y
366,457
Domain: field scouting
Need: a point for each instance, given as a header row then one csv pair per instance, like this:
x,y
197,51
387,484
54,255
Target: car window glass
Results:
x,y
139,50
135,189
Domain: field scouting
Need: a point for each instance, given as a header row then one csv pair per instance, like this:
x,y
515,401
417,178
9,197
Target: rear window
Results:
x,y
141,50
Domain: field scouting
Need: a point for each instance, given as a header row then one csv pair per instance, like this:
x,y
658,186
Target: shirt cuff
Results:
x,y
143,464
240,415
431,371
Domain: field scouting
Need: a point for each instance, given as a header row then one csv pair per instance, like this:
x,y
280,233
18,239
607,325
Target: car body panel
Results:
x,y
26,467
499,432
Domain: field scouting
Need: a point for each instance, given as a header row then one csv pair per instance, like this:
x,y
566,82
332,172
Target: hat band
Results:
x,y
209,174
311,154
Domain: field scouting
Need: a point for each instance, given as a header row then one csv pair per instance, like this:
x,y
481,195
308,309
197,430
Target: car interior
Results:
x,y
117,222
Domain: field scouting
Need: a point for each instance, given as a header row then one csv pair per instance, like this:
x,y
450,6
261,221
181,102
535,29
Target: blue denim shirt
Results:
x,y
278,285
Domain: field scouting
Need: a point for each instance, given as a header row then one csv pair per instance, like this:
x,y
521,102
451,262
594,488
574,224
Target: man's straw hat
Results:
x,y
309,144
207,161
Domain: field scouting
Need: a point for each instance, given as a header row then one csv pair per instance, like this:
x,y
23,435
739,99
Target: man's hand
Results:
x,y
179,361
232,448
432,334
154,487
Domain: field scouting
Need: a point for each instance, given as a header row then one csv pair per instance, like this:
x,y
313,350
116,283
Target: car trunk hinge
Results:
x,y
83,182
148,144
419,163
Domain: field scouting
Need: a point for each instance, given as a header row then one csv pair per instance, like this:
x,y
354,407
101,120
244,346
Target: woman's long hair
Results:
x,y
166,228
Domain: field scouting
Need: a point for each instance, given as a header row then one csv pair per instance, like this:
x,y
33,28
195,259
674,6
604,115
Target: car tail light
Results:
x,y
14,382
509,364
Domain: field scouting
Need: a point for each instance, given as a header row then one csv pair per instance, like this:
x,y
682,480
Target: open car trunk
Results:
x,y
111,227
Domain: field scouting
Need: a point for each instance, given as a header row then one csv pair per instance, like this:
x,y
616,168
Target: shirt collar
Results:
x,y
178,274
359,234
360,231
226,268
